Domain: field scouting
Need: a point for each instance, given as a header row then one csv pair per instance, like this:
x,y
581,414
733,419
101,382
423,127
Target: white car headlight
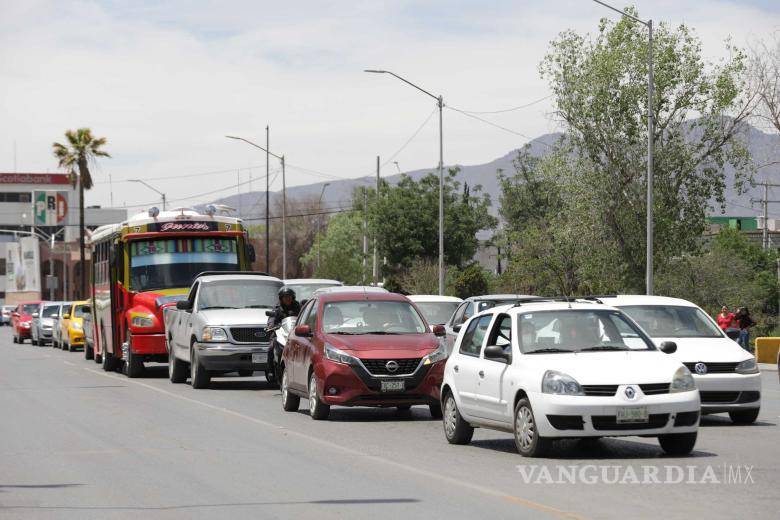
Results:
x,y
560,384
338,356
214,334
76,325
748,366
142,320
26,324
682,381
437,355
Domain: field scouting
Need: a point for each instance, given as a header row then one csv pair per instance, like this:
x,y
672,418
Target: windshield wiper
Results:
x,y
215,307
383,333
345,333
604,347
546,350
257,307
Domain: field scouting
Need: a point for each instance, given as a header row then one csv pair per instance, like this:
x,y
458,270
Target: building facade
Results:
x,y
39,206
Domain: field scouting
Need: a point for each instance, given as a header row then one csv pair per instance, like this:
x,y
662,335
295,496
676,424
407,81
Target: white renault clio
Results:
x,y
726,374
551,369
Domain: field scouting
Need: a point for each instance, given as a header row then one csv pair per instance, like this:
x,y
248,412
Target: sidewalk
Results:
x,y
767,367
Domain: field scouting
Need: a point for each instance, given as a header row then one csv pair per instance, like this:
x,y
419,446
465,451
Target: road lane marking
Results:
x,y
421,472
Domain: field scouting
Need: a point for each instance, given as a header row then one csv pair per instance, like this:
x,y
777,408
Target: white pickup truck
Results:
x,y
221,327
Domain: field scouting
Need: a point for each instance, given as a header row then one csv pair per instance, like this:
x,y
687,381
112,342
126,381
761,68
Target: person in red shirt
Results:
x,y
726,320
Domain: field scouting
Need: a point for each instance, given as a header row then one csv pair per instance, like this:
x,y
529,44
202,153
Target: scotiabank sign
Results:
x,y
34,178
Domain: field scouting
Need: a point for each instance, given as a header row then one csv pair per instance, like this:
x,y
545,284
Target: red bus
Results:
x,y
146,263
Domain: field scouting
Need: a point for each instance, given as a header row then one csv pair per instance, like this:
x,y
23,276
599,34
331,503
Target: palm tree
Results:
x,y
80,151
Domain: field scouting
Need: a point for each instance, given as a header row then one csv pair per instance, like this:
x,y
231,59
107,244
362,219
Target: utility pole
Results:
x,y
267,205
375,269
319,221
765,202
284,223
650,145
365,233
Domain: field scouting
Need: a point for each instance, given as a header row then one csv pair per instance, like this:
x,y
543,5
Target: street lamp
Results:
x,y
319,221
440,104
284,202
650,144
151,188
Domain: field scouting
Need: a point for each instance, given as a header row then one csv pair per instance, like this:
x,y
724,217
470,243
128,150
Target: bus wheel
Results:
x,y
134,366
108,362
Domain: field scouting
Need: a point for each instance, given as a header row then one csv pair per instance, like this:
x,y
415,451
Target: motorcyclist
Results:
x,y
288,307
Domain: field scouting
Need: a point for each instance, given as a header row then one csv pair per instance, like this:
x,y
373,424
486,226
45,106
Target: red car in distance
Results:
x,y
21,320
362,349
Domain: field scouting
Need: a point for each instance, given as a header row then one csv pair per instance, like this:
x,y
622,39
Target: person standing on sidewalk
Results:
x,y
726,319
744,321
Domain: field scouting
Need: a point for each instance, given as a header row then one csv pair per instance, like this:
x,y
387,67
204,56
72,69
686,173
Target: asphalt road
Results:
x,y
78,443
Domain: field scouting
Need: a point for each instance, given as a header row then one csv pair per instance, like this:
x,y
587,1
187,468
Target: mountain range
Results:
x,y
764,148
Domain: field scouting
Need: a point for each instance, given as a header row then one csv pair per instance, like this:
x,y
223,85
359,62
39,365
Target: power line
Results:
x,y
514,132
414,135
184,176
532,103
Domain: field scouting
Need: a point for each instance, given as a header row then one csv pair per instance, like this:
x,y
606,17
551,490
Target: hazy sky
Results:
x,y
165,81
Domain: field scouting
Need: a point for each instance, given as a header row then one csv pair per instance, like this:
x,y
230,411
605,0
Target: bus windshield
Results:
x,y
174,262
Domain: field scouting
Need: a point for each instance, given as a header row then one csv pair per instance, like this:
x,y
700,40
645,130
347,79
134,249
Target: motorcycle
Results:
x,y
280,334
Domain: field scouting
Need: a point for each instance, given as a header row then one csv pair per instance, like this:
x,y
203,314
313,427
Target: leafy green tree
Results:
x,y
599,84
472,280
405,220
341,254
80,150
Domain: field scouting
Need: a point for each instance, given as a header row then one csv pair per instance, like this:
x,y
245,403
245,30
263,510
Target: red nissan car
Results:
x,y
362,349
21,320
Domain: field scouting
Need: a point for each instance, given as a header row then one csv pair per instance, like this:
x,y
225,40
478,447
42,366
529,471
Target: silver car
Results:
x,y
43,321
221,327
474,305
56,336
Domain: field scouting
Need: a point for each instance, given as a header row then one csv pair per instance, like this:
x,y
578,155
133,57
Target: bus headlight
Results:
x,y
214,334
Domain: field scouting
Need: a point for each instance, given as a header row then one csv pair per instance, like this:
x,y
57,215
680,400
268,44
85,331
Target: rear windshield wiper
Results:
x,y
546,350
605,347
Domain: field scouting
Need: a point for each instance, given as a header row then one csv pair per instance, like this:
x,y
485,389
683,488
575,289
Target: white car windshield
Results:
x,y
371,317
237,294
579,331
437,313
673,321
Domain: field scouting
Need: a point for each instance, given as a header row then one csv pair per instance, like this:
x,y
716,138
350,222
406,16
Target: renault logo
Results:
x,y
630,392
391,366
700,368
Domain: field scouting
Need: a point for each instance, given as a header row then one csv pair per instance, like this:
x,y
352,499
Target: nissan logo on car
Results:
x,y
700,368
391,366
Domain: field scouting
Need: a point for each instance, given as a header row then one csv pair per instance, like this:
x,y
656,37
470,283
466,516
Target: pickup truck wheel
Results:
x,y
456,430
290,401
317,409
199,377
177,370
134,366
246,373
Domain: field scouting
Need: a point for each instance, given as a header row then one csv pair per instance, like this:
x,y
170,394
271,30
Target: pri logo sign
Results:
x,y
51,208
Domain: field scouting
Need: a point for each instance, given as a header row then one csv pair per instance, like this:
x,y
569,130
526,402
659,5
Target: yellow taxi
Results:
x,y
72,324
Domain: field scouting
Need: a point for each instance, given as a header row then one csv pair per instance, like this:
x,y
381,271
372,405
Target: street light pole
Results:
x,y
650,145
284,202
151,188
267,203
440,104
319,221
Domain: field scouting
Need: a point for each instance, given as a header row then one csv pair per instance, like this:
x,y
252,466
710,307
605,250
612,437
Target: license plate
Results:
x,y
259,358
636,414
392,386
